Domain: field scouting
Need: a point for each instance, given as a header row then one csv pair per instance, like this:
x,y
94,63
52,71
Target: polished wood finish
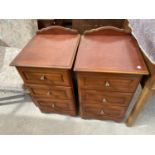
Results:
x,y
109,67
117,82
109,51
50,109
105,98
32,75
45,66
57,30
56,106
53,47
54,92
64,105
114,113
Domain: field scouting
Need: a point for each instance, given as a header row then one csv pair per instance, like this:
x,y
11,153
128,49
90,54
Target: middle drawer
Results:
x,y
105,98
54,92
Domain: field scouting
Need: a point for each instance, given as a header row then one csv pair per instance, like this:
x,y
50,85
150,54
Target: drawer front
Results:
x,y
108,82
45,76
96,97
55,92
49,109
56,105
102,112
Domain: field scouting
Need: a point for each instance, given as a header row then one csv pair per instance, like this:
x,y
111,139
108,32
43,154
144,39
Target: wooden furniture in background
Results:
x,y
45,65
148,86
86,24
43,23
147,83
109,67
81,24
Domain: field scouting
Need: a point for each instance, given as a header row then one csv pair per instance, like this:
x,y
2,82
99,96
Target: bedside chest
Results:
x,y
109,67
45,66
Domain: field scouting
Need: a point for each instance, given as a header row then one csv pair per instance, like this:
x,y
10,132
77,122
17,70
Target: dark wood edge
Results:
x,y
113,72
57,30
106,30
71,65
126,26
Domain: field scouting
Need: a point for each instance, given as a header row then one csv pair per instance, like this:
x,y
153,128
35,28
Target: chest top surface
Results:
x,y
51,47
109,50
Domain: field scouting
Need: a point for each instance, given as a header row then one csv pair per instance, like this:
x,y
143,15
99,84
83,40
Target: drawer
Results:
x,y
105,98
108,82
49,109
103,112
45,76
65,105
55,92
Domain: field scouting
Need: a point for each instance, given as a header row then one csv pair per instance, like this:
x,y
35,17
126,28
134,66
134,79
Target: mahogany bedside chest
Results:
x,y
109,67
45,65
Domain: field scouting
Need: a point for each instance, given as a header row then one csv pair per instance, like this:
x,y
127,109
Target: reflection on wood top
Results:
x,y
109,50
53,47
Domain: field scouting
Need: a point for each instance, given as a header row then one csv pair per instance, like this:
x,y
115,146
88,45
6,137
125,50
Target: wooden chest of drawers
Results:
x,y
109,67
45,66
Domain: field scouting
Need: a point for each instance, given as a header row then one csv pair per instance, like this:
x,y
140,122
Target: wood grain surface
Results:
x,y
109,50
52,48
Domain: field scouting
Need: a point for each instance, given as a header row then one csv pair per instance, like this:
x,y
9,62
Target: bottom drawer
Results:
x,y
50,109
103,112
55,106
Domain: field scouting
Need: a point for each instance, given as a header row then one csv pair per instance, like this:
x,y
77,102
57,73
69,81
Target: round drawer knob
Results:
x,y
104,100
53,105
101,112
107,84
42,77
49,93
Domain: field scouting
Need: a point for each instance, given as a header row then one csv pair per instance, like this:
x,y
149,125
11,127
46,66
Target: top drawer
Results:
x,y
111,82
45,76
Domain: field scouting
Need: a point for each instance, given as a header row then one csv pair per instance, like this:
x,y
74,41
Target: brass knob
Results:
x,y
53,105
42,77
101,112
49,93
104,100
107,84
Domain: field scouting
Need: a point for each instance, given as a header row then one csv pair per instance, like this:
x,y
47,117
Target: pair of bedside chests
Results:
x,y
95,73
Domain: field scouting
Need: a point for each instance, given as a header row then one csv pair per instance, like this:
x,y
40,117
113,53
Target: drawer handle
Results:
x,y
53,105
107,84
104,100
42,77
102,112
49,93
